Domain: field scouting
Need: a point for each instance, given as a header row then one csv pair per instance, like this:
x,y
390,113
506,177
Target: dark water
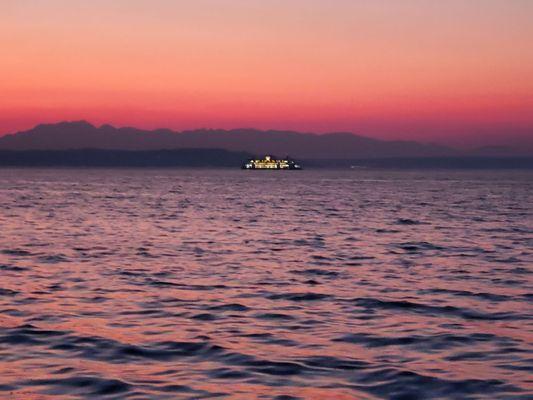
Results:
x,y
313,284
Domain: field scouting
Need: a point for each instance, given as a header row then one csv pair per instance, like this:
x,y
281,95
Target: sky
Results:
x,y
454,72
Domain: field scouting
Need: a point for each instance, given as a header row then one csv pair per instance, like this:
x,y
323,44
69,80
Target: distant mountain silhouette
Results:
x,y
83,135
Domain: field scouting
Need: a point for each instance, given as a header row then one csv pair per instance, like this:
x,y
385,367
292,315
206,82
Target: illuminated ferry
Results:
x,y
271,163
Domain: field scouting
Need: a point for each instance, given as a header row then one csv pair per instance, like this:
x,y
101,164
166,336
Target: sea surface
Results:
x,y
353,284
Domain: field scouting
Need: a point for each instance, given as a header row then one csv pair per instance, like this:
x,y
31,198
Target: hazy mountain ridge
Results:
x,y
83,135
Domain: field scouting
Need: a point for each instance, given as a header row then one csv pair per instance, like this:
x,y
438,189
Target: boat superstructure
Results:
x,y
270,162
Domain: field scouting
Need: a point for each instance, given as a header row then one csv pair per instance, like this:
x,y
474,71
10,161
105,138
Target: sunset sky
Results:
x,y
456,72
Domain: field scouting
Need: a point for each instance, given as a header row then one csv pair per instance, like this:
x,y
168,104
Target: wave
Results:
x,y
439,311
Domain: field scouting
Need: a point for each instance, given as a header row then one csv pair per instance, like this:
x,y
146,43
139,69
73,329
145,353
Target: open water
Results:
x,y
358,284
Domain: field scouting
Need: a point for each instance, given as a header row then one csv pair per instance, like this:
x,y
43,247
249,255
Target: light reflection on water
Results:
x,y
311,284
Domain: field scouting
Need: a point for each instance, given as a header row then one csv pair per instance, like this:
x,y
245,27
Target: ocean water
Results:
x,y
358,284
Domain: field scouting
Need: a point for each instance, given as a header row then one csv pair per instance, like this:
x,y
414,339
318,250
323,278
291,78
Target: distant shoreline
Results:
x,y
219,158
442,163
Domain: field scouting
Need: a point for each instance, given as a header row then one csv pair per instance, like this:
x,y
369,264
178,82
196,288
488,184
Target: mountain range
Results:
x,y
83,135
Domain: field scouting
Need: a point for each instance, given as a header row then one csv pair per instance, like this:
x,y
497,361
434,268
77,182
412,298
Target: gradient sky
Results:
x,y
455,71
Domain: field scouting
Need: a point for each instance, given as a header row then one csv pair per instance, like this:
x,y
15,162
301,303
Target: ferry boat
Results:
x,y
271,163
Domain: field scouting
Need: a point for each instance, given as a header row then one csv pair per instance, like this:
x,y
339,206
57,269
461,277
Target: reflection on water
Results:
x,y
316,284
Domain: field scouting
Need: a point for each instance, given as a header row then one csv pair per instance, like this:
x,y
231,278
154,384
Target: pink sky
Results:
x,y
457,72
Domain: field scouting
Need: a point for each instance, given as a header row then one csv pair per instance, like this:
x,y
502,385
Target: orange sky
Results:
x,y
452,71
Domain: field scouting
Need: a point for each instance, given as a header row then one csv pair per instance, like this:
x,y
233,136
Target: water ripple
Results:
x,y
362,284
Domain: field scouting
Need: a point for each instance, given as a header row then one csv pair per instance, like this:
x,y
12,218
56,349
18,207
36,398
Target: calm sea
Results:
x,y
200,284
